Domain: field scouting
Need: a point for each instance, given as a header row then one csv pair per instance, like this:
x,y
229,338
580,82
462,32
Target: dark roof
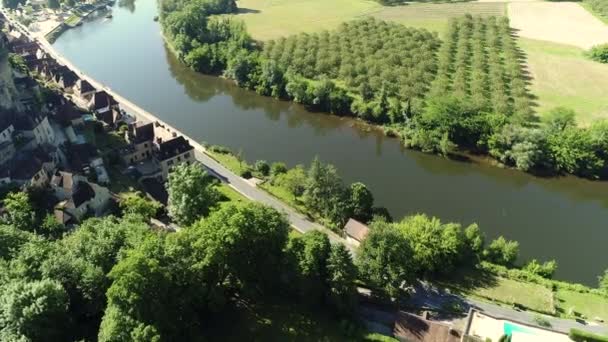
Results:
x,y
173,147
156,189
140,132
109,117
83,193
84,86
356,229
66,113
101,99
28,121
7,118
68,76
80,155
26,164
25,47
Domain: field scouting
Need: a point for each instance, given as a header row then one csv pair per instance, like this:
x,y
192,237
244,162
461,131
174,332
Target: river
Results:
x,y
563,219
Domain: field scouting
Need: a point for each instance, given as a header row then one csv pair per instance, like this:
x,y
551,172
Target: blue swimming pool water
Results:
x,y
509,328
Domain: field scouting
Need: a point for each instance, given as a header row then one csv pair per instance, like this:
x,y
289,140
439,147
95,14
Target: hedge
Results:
x,y
585,336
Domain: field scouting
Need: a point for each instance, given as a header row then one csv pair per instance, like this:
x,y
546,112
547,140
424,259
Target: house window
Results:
x,y
179,159
170,162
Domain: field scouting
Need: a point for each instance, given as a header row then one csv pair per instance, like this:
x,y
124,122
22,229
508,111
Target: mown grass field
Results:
x,y
507,291
562,76
269,19
588,304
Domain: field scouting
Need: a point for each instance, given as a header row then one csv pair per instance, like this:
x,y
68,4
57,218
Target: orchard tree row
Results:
x,y
479,62
375,61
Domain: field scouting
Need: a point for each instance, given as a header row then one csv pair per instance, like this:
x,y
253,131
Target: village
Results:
x,y
77,142
85,147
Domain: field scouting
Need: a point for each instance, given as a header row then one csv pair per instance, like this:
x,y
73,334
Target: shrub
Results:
x,y
246,174
278,168
599,53
584,336
262,167
542,321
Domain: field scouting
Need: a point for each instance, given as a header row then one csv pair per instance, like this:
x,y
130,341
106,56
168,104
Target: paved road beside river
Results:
x,y
298,221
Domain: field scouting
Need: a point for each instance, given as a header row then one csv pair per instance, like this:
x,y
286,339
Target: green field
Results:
x,y
562,76
434,17
532,296
269,19
588,304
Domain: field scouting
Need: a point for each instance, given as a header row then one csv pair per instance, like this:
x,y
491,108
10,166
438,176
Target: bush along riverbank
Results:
x,y
448,254
467,93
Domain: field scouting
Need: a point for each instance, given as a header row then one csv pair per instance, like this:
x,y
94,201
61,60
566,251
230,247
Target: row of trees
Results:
x,y
395,254
383,67
323,192
470,93
480,62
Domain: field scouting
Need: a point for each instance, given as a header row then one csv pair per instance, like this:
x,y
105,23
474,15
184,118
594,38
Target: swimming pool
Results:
x,y
510,328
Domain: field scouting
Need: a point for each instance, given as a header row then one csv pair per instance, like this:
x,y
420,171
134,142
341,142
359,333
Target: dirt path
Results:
x,y
560,22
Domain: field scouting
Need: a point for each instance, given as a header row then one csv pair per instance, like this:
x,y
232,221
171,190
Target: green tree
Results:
x,y
278,168
325,193
560,118
436,247
19,211
475,241
341,277
361,202
33,311
136,204
502,252
385,259
545,270
51,228
252,238
191,193
262,167
11,240
294,181
599,53
308,255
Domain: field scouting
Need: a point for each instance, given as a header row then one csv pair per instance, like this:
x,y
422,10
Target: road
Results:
x,y
430,297
297,220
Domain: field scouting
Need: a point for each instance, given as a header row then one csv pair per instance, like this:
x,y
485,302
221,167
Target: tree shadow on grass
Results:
x,y
247,10
273,320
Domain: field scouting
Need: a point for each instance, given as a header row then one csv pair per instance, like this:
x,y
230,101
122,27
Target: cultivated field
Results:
x,y
269,19
560,22
561,76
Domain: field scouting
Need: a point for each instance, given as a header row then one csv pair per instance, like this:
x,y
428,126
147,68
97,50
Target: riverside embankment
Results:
x,y
562,218
298,221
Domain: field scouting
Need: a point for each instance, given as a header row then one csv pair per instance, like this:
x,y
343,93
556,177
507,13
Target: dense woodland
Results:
x,y
115,279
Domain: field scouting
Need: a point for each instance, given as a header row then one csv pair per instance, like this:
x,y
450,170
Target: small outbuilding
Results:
x,y
355,231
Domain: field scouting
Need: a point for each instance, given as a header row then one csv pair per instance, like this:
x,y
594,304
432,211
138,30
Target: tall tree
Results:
x,y
19,211
341,277
386,260
192,193
33,311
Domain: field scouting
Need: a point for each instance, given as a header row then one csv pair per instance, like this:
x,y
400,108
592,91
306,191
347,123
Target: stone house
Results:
x,y
77,197
155,142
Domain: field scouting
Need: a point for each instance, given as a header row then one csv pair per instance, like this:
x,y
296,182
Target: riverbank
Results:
x,y
535,211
